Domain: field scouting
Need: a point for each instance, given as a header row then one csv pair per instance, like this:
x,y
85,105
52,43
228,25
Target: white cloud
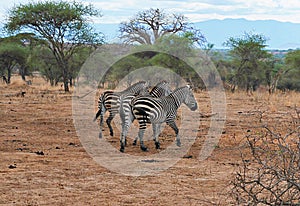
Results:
x,y
115,11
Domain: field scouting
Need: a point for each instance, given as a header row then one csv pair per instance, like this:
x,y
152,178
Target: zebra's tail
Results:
x,y
97,115
100,102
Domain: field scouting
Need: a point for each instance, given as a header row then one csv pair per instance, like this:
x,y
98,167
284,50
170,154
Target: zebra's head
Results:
x,y
190,100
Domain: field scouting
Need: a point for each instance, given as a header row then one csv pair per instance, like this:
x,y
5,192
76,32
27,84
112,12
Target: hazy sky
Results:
x,y
116,11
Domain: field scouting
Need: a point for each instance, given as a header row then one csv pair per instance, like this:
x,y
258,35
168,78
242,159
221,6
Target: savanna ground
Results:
x,y
43,162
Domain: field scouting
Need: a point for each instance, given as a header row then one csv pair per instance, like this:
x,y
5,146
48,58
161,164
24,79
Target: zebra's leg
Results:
x,y
135,140
101,111
141,135
101,126
142,128
173,125
123,138
126,123
156,132
101,122
108,121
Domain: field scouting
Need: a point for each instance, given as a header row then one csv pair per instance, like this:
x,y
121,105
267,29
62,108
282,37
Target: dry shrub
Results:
x,y
270,169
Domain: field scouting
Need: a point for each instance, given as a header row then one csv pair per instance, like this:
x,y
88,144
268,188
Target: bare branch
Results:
x,y
271,176
150,25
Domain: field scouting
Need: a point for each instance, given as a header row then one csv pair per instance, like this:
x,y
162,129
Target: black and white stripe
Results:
x,y
126,115
158,110
109,101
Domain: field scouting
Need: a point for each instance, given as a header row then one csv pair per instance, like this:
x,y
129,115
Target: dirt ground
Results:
x,y
43,162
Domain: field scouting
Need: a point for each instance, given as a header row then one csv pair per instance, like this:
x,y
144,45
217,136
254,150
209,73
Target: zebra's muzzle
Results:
x,y
193,106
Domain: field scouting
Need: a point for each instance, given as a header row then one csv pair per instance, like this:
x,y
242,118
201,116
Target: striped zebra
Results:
x,y
159,110
109,101
159,90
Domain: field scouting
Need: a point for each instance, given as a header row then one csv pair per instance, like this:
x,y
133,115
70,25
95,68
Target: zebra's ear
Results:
x,y
189,87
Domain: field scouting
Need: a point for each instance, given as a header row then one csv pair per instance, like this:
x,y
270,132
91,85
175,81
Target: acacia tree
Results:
x,y
150,25
43,60
30,41
63,24
248,55
275,70
11,55
291,80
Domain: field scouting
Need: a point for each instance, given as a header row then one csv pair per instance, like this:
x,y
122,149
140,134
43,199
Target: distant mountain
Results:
x,y
281,35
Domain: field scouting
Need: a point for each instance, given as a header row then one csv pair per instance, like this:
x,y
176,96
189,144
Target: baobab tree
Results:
x,y
150,25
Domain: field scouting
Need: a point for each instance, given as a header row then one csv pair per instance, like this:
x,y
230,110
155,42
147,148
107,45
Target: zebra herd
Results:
x,y
155,107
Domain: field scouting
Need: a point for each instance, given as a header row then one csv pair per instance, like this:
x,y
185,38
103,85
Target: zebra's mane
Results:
x,y
134,85
162,82
181,88
179,91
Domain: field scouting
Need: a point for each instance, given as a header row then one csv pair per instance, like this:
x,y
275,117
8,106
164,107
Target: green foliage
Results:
x,y
124,67
77,60
170,44
161,60
249,59
293,59
175,59
291,80
64,25
13,54
60,21
44,61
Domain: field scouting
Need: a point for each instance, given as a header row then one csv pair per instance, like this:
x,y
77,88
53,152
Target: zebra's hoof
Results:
x,y
178,143
111,134
144,149
157,145
134,142
122,146
122,149
100,135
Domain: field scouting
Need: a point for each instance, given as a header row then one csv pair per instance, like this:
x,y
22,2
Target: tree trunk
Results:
x,y
51,82
232,88
23,73
71,81
4,79
65,77
66,86
8,75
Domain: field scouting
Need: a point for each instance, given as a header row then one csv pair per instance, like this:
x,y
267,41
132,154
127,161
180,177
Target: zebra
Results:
x,y
109,101
161,89
159,110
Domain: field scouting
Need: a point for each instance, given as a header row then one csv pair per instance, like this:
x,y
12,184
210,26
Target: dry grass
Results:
x,y
43,163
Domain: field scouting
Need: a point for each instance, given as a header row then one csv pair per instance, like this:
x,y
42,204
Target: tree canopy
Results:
x,y
63,24
15,53
292,71
150,25
248,55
